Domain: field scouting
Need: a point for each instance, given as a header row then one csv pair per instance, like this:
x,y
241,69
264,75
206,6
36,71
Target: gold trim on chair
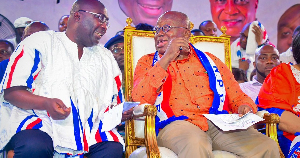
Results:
x,y
131,141
222,39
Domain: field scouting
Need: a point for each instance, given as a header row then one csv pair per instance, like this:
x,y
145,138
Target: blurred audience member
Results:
x,y
243,49
6,49
62,23
34,27
233,14
287,56
287,23
144,26
209,28
197,32
116,46
121,33
266,58
20,25
239,75
280,94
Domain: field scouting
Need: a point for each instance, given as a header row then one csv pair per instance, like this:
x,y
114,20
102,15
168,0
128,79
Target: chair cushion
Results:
x,y
164,153
167,153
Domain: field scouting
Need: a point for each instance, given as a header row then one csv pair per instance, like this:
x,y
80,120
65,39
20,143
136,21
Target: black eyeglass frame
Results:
x,y
166,28
103,18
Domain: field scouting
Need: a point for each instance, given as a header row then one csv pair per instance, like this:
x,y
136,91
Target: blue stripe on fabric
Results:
x,y
120,96
102,134
76,127
23,122
296,146
33,69
212,82
90,120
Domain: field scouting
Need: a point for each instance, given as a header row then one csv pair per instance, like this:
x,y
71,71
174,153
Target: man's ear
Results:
x,y
187,33
76,16
254,64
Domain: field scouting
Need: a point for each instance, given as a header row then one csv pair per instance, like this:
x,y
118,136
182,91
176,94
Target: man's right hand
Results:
x,y
57,109
173,53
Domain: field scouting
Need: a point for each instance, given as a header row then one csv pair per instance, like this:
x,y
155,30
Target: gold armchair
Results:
x,y
140,131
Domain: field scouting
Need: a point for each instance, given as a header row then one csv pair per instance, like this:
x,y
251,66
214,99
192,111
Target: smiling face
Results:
x,y
287,23
145,11
91,28
233,14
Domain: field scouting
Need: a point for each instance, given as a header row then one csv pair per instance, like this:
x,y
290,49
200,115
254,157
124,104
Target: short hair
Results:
x,y
296,48
9,43
144,26
239,74
197,30
204,22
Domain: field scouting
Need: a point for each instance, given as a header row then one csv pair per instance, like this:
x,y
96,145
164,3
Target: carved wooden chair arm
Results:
x,y
271,121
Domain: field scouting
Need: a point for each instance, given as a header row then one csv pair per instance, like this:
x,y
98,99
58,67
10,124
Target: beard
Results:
x,y
260,73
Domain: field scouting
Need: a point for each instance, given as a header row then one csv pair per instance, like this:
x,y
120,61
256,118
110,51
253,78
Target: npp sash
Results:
x,y
165,114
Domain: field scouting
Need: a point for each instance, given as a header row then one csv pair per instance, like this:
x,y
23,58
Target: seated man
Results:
x,y
280,94
181,80
62,90
266,58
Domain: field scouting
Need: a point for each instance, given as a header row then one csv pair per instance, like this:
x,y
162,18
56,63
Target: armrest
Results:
x,y
271,121
150,134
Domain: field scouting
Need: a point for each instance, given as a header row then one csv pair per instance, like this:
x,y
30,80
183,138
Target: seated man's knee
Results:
x,y
105,150
33,143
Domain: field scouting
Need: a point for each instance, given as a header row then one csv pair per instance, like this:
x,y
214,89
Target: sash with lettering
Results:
x,y
165,114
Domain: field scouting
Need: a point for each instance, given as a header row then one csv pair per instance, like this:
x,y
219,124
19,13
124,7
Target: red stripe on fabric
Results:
x,y
85,143
167,88
36,76
118,82
13,68
106,109
289,136
98,137
226,104
265,34
114,136
32,124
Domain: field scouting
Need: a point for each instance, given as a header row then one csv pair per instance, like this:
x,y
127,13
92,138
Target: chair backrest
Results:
x,y
138,43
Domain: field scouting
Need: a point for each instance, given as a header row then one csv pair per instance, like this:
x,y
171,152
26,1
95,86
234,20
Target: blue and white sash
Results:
x,y
165,115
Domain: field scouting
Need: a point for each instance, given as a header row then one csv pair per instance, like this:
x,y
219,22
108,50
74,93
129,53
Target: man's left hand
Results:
x,y
243,109
258,34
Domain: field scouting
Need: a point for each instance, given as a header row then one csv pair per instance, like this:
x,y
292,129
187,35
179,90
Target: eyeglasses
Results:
x,y
100,16
165,28
117,50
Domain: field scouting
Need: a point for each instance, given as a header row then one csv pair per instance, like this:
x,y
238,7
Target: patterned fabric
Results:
x,y
166,114
47,63
191,94
295,147
281,91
